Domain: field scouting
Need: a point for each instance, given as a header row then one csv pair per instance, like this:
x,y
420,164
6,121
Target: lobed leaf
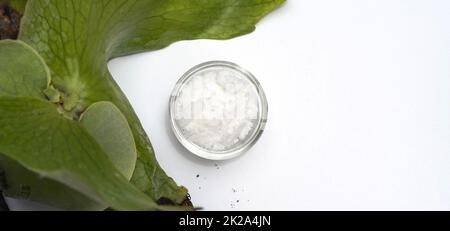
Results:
x,y
35,134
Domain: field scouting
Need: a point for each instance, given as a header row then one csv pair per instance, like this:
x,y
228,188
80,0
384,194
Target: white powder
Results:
x,y
217,109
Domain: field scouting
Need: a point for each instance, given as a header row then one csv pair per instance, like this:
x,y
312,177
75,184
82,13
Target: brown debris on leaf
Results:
x,y
9,22
165,201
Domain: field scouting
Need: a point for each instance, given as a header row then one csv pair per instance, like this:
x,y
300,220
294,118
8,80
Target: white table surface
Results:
x,y
359,108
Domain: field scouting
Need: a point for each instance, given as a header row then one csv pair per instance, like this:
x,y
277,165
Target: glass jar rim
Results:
x,y
227,153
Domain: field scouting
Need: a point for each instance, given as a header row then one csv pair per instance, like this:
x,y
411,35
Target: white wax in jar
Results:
x,y
217,109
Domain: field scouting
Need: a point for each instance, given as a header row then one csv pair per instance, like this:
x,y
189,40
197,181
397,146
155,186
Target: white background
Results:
x,y
359,108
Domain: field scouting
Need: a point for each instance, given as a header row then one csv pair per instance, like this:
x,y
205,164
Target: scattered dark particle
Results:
x,y
198,176
200,188
234,190
237,201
